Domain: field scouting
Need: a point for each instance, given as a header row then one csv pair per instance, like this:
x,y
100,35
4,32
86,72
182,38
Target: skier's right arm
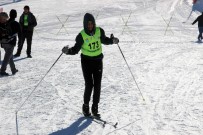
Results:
x,y
195,21
76,48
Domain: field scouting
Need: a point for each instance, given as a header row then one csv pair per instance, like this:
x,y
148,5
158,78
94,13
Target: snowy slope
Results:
x,y
167,64
4,2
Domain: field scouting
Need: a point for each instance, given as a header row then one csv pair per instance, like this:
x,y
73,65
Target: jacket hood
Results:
x,y
89,17
13,14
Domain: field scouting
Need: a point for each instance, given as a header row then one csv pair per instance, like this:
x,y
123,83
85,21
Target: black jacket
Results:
x,y
10,31
199,20
79,40
31,22
3,31
15,30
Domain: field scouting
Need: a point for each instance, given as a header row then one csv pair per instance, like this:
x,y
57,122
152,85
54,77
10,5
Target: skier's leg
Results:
x,y
29,42
201,31
87,73
200,34
7,56
20,45
11,62
97,75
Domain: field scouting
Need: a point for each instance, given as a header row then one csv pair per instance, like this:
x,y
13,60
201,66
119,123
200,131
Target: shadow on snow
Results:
x,y
75,128
15,59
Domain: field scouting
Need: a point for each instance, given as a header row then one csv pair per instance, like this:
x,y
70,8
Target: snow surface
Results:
x,y
167,63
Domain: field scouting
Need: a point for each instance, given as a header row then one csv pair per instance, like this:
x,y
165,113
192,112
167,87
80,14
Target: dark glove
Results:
x,y
66,49
114,39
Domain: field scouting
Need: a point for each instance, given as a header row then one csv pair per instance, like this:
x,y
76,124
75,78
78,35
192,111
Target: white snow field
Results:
x,y
162,52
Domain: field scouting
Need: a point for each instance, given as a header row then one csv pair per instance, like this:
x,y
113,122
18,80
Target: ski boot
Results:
x,y
4,74
14,72
95,111
85,110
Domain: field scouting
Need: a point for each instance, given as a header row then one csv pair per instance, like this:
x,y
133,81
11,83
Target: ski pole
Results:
x,y
39,82
130,71
17,123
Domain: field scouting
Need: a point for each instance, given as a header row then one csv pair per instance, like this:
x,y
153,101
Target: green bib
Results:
x,y
25,20
92,44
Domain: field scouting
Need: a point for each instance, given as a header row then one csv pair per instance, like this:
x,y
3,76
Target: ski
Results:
x,y
104,122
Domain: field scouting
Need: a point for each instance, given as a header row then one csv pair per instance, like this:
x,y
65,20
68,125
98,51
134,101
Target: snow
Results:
x,y
3,2
167,64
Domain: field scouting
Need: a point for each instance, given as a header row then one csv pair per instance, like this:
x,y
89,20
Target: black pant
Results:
x,y
92,72
25,35
200,33
8,58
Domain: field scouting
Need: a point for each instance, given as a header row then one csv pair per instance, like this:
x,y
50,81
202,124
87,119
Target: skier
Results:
x,y
89,40
200,26
27,22
8,40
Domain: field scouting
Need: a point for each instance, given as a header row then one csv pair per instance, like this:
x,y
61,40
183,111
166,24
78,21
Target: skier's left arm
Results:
x,y
34,21
106,40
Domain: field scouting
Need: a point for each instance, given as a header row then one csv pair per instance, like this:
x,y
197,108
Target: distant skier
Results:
x,y
89,40
200,26
27,22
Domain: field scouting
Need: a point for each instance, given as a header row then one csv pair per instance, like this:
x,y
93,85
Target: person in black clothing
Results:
x,y
15,26
27,22
200,26
89,42
8,40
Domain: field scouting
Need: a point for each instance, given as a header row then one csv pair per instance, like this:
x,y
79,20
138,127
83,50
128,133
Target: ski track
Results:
x,y
167,68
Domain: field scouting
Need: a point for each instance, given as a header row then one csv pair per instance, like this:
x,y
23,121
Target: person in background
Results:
x,y
200,26
90,41
1,10
27,22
